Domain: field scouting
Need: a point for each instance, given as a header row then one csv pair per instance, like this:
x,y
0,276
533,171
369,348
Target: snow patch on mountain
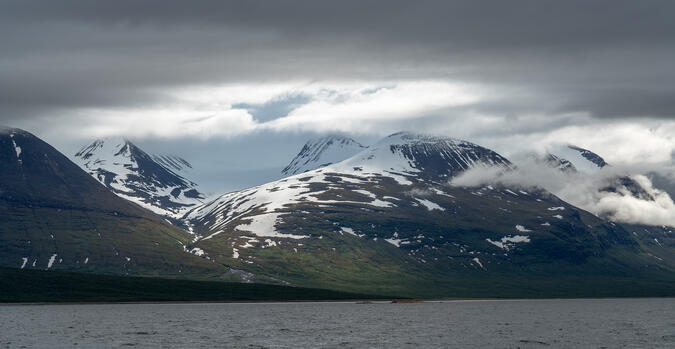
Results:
x,y
197,252
348,230
394,240
263,226
522,229
51,260
509,242
430,205
477,261
17,149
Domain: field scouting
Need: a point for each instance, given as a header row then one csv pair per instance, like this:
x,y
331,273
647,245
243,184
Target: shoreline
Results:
x,y
336,301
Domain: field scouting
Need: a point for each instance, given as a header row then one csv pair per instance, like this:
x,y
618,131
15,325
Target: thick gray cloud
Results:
x,y
539,70
609,58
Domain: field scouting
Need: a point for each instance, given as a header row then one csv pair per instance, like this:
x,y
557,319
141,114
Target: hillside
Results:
x,y
55,216
28,286
388,219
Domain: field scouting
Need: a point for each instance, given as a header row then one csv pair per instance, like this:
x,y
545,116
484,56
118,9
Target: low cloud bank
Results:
x,y
601,193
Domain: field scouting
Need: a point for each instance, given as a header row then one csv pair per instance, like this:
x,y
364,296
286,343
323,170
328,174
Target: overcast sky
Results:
x,y
247,82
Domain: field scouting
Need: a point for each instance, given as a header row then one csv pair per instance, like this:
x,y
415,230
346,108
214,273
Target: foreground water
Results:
x,y
600,323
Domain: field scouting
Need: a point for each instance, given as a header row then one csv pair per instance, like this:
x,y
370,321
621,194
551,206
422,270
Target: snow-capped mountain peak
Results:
x,y
407,154
150,181
109,152
402,160
321,152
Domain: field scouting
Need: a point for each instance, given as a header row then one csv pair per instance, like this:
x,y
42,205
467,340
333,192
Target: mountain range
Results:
x,y
387,219
55,216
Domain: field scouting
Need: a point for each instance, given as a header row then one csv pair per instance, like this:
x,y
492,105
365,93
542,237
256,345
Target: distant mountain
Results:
x,y
405,156
388,219
592,163
53,215
582,159
553,161
658,242
322,152
154,182
590,156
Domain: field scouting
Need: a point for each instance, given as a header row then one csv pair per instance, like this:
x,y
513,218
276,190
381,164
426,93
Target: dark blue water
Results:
x,y
606,323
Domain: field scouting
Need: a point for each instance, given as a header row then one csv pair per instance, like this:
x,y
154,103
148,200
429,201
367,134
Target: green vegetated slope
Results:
x,y
385,222
410,250
409,232
57,286
55,216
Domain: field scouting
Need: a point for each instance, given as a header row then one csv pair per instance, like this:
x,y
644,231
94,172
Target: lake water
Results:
x,y
598,323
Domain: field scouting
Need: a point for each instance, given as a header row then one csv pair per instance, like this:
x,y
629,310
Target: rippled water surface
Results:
x,y
604,323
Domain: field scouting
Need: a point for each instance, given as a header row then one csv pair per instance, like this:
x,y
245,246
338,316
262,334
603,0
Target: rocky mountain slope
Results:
x,y
55,216
388,219
322,152
154,182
